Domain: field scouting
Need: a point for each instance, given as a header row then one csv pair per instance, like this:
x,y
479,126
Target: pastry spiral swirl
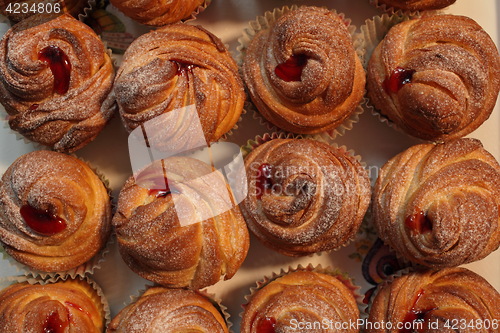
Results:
x,y
169,310
300,297
177,66
69,306
436,77
158,13
55,213
440,298
158,247
55,77
304,196
303,74
438,205
417,4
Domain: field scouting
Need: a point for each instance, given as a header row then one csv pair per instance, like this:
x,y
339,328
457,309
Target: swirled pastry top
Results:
x,y
417,4
55,212
302,73
304,196
65,306
436,77
158,247
169,310
443,298
174,67
158,13
55,76
439,205
302,296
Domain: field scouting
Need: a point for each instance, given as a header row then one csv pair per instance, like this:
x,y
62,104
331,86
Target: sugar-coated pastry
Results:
x,y
416,4
66,306
438,205
444,301
159,13
154,243
170,310
436,77
304,196
302,73
174,67
291,302
55,212
54,79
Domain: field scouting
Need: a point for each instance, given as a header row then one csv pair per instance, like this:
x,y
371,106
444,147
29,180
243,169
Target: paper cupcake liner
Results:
x,y
339,274
84,269
227,135
213,298
10,280
391,10
266,22
197,11
259,140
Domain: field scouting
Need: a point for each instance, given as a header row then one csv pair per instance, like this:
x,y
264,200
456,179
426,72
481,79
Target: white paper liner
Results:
x,y
391,10
84,269
266,22
261,139
10,280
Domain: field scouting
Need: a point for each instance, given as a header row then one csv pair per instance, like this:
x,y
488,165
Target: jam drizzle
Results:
x,y
267,325
60,67
399,77
78,307
54,324
419,223
42,221
414,315
183,68
264,179
291,69
162,188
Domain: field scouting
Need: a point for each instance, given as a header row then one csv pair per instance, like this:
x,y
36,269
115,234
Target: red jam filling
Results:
x,y
414,315
291,69
60,67
42,221
53,324
419,223
78,307
183,68
399,77
267,325
264,180
34,106
162,189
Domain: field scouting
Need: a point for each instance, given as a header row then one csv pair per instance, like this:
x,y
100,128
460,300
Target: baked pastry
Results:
x,y
301,298
170,310
159,13
55,212
449,300
436,77
174,67
304,196
17,10
64,306
438,205
302,73
55,76
156,245
417,4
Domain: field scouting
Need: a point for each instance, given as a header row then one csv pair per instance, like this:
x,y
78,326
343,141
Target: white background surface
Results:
x,y
374,141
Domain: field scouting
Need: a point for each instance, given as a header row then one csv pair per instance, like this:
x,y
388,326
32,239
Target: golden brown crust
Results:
x,y
417,4
317,199
303,296
169,310
72,304
438,205
155,245
158,13
454,71
332,82
177,66
67,188
448,296
67,120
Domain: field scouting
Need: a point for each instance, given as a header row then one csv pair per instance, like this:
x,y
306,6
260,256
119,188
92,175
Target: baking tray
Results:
x,y
370,138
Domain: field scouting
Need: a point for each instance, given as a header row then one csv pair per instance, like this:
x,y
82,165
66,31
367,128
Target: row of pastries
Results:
x,y
436,204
